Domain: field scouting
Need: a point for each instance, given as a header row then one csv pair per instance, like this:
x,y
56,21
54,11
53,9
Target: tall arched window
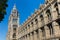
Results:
x,y
50,28
32,24
14,28
14,35
43,31
56,6
42,19
28,26
36,21
48,14
41,16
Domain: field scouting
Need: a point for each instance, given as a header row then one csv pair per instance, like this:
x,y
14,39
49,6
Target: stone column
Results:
x,y
31,36
27,29
56,29
47,32
27,37
53,12
40,34
39,22
25,32
35,25
22,32
31,28
35,35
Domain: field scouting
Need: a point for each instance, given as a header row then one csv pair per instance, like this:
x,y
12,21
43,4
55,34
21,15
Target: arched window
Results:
x,y
50,28
28,26
14,35
43,31
32,24
36,21
48,14
14,27
41,16
42,20
56,6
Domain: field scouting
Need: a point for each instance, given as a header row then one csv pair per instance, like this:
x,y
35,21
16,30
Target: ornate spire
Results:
x,y
14,7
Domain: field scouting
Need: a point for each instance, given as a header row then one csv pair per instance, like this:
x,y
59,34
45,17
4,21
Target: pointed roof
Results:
x,y
14,7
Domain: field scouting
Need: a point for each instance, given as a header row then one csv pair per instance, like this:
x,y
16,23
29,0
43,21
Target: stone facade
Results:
x,y
44,24
13,25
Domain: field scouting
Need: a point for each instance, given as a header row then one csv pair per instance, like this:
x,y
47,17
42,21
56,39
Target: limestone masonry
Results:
x,y
44,24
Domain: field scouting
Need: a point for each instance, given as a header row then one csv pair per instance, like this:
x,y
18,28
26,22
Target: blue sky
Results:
x,y
24,7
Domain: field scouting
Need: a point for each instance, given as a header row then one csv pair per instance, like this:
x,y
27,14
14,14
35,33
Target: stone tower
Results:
x,y
13,24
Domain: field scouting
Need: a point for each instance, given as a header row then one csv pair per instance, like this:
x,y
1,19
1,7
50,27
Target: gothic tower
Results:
x,y
13,24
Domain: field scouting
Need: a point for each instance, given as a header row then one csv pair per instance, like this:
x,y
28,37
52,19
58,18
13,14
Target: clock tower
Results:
x,y
13,24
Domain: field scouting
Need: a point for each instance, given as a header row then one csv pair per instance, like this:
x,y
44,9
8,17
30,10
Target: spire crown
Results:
x,y
14,7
